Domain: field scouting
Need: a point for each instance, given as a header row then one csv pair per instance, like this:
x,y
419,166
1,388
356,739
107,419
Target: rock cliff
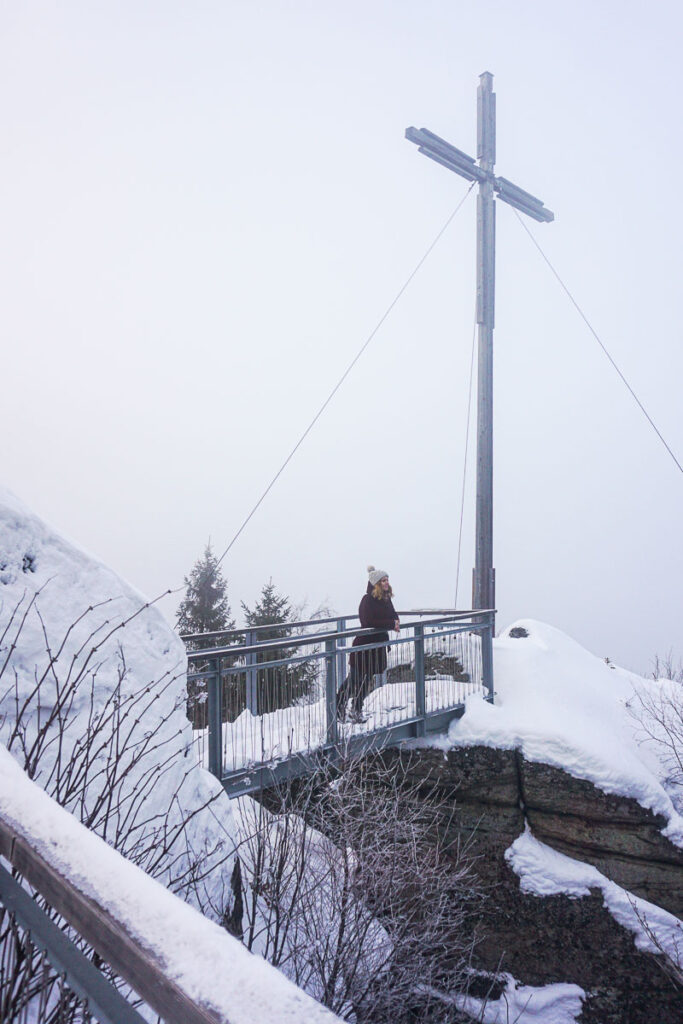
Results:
x,y
558,938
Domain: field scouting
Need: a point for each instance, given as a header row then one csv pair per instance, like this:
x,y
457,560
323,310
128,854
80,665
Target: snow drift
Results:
x,y
92,706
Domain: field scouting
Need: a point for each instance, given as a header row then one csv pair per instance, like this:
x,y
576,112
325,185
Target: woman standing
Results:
x,y
377,612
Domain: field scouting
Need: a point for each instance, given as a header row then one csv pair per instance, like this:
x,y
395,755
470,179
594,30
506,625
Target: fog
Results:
x,y
207,208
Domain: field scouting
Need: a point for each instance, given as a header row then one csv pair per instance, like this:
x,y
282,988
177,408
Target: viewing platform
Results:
x,y
263,701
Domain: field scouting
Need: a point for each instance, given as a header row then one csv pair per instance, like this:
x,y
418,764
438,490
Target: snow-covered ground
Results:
x,y
523,1004
317,916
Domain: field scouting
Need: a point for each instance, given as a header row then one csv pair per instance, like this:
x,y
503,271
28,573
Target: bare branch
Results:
x,y
356,894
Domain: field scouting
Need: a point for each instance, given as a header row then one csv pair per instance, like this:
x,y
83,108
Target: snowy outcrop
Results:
x,y
92,706
571,811
559,705
552,918
499,793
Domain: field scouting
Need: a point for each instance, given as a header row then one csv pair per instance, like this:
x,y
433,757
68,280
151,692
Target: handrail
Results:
x,y
103,1000
135,952
310,638
297,660
207,655
450,612
125,955
114,945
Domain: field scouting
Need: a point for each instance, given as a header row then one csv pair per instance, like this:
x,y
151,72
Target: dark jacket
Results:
x,y
381,615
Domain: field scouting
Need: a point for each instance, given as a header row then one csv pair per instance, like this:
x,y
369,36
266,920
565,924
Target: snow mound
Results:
x,y
92,706
560,705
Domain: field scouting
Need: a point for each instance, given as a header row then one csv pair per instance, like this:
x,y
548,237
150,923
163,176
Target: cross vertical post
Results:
x,y
442,152
483,582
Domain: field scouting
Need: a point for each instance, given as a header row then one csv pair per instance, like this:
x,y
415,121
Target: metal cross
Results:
x,y
483,583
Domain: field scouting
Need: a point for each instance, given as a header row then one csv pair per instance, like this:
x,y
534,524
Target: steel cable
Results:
x,y
600,343
347,371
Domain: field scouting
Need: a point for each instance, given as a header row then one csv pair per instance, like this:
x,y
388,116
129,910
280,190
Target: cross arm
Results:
x,y
454,159
522,200
438,149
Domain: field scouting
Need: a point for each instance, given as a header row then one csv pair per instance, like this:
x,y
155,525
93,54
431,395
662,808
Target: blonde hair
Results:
x,y
382,595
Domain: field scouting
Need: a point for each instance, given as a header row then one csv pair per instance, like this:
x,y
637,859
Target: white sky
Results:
x,y
205,209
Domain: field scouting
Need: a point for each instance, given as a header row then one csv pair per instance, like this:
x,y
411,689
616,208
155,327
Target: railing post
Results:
x,y
420,679
251,683
331,690
215,720
341,657
487,659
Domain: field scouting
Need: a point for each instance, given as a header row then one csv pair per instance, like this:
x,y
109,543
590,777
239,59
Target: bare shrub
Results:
x,y
667,955
658,708
99,750
666,668
357,895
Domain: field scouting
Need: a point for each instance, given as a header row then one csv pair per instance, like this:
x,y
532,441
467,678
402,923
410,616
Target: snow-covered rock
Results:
x,y
92,706
544,871
569,754
560,705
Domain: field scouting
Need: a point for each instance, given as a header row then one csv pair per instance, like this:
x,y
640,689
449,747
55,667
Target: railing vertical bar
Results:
x,y
331,691
420,678
341,656
487,659
215,720
251,684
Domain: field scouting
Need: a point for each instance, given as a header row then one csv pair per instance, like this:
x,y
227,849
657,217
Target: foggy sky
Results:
x,y
205,209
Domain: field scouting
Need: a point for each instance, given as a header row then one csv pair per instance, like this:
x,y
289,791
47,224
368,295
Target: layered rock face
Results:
x,y
619,837
558,938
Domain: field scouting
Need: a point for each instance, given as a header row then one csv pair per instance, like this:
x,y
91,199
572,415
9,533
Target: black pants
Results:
x,y
355,687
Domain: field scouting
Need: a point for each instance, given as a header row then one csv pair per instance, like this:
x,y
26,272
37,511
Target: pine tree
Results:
x,y
286,685
273,609
205,608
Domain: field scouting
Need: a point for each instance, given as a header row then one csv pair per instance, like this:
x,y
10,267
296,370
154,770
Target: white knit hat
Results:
x,y
375,575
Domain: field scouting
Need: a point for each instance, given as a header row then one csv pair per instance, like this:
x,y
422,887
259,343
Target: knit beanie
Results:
x,y
375,575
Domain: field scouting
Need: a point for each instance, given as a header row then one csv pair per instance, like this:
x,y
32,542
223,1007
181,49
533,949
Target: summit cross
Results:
x,y
436,148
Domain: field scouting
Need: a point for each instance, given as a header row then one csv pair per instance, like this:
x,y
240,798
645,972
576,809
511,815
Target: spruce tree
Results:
x,y
286,685
273,609
205,607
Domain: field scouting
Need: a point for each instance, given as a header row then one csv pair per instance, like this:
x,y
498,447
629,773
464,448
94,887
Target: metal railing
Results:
x,y
265,707
44,975
70,955
47,971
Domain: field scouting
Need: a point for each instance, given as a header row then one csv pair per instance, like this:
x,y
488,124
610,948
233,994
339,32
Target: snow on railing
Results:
x,y
186,968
